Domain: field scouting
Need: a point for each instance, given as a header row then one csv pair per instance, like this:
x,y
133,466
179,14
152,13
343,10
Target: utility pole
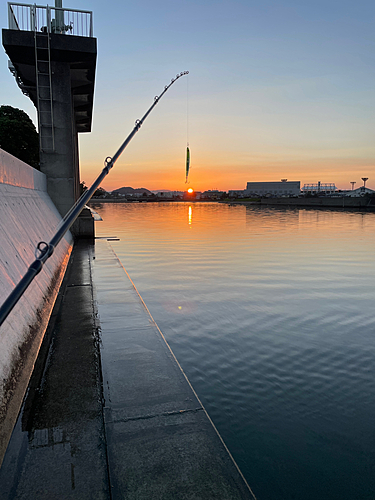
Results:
x,y
352,183
364,181
59,15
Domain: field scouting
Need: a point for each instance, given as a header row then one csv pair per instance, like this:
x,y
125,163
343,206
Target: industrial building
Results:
x,y
281,188
319,188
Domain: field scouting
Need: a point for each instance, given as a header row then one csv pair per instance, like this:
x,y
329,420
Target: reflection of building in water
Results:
x,y
261,219
282,188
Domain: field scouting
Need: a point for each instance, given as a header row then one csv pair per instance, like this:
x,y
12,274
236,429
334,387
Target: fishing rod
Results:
x,y
44,250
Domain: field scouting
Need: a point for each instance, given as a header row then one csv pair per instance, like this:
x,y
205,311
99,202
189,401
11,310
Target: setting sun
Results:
x,y
190,190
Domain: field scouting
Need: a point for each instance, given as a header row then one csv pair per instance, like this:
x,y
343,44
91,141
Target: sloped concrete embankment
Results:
x,y
27,216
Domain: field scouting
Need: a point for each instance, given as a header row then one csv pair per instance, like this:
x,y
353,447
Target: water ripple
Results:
x,y
270,313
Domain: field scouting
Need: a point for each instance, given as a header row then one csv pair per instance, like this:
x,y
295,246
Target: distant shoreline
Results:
x,y
344,202
169,200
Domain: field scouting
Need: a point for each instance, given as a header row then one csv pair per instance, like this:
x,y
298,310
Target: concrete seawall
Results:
x,y
27,216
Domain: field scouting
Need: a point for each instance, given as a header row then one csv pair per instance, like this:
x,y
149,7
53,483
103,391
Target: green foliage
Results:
x,y
100,193
18,135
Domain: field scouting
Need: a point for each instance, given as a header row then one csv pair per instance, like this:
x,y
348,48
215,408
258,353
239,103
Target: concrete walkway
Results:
x,y
142,434
57,450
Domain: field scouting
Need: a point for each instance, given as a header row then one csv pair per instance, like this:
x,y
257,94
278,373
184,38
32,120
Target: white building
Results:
x,y
281,188
355,193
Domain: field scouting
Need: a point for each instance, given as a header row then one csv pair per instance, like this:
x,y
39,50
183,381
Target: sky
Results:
x,y
276,89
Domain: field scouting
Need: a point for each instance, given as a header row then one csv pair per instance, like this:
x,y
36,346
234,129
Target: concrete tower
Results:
x,y
52,55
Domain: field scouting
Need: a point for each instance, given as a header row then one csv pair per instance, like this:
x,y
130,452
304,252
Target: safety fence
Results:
x,y
48,19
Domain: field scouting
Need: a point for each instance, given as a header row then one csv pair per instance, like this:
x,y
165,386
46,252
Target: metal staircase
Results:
x,y
44,91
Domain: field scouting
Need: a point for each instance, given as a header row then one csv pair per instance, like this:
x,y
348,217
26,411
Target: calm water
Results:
x,y
271,314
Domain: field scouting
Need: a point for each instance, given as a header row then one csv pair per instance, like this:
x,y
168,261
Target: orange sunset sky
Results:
x,y
277,89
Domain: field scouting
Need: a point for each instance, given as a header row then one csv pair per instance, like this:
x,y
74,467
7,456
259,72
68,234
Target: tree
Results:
x,y
18,135
100,193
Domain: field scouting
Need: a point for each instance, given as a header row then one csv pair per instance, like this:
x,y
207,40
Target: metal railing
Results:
x,y
44,250
320,187
46,19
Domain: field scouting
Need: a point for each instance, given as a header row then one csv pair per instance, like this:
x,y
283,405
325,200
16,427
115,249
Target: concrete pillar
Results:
x,y
61,166
73,60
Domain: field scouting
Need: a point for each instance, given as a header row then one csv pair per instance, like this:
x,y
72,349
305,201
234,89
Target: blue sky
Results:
x,y
275,90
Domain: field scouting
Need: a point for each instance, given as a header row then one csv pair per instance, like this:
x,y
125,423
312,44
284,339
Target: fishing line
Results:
x,y
187,134
187,111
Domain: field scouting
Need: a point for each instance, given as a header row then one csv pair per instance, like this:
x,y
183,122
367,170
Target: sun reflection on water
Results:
x,y
272,308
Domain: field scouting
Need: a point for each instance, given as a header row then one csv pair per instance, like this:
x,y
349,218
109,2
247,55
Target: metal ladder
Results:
x,y
44,91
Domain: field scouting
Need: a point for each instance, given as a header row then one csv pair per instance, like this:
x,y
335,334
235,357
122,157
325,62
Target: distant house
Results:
x,y
168,194
237,193
213,194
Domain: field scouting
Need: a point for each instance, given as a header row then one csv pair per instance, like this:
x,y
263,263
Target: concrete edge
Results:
x,y
18,173
185,376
